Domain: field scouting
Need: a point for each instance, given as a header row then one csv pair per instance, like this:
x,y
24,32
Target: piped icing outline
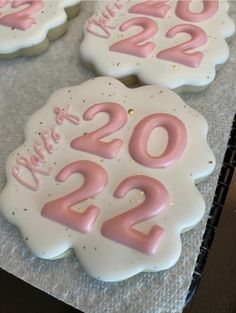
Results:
x,y
210,34
100,256
49,17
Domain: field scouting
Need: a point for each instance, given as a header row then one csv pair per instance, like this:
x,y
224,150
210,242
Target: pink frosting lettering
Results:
x,y
38,158
46,146
210,7
25,163
134,45
55,136
63,115
91,142
177,140
22,20
181,53
155,8
119,228
59,210
100,27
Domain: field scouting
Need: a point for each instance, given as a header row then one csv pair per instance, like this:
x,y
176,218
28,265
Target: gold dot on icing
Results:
x,y
174,67
131,200
141,193
171,203
131,111
118,64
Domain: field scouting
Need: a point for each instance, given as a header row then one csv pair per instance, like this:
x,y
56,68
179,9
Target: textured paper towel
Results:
x,y
25,85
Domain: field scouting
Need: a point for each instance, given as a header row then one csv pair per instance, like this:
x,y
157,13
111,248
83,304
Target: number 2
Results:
x,y
119,228
60,211
134,45
91,142
180,53
21,20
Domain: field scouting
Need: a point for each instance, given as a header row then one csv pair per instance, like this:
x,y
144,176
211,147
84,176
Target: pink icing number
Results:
x,y
155,8
134,45
59,210
22,20
91,142
177,140
210,7
119,228
180,53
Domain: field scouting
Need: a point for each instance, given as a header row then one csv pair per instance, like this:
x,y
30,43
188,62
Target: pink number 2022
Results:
x,y
137,45
120,228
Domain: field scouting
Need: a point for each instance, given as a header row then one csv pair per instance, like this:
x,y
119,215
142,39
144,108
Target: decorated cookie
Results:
x,y
110,173
177,44
26,27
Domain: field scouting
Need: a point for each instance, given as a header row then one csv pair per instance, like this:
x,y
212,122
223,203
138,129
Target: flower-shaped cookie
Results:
x,y
110,173
26,27
177,44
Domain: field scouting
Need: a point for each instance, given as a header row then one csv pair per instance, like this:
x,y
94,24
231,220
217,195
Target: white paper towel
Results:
x,y
25,85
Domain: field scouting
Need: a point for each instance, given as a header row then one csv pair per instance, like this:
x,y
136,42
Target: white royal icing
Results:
x,y
101,257
151,69
49,17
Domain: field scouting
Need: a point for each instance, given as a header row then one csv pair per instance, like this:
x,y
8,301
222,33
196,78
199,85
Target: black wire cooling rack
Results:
x,y
223,184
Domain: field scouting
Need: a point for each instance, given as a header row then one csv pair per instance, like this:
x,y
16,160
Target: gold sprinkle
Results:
x,y
160,92
131,111
174,67
118,64
131,201
141,193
